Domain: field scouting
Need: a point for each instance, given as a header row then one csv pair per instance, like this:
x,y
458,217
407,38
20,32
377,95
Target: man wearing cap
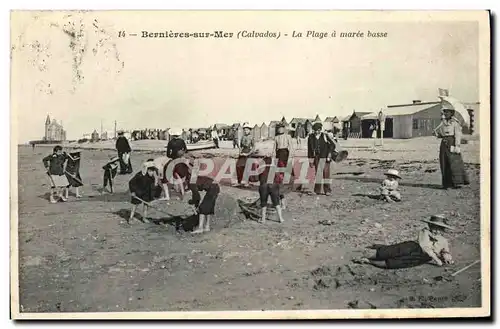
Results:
x,y
319,152
453,172
176,147
431,246
123,148
247,146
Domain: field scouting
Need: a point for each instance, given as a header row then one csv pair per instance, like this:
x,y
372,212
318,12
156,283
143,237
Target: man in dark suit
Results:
x,y
123,148
319,151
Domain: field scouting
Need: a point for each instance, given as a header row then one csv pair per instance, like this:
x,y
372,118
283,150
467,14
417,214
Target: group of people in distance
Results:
x,y
152,181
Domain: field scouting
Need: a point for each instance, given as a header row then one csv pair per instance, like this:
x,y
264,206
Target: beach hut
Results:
x,y
353,124
264,131
272,129
408,120
256,133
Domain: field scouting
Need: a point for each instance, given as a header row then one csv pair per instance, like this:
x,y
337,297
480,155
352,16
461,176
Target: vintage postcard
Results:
x,y
250,164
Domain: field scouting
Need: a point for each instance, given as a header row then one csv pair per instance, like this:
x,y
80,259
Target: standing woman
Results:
x,y
450,159
319,152
123,149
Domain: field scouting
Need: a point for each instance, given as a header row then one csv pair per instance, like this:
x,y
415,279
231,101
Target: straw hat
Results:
x,y
246,125
392,172
175,131
447,107
438,220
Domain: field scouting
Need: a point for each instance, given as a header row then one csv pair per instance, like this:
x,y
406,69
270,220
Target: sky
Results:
x,y
161,83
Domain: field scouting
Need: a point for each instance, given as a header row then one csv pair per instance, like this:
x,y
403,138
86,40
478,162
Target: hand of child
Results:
x,y
132,194
446,257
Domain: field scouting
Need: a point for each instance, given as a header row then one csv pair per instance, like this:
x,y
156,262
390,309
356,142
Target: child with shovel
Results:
x,y
144,187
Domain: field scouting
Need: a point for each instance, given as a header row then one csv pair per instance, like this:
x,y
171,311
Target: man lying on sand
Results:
x,y
431,247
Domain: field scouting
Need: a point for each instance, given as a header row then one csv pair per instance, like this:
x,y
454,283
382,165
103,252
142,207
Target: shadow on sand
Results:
x,y
180,223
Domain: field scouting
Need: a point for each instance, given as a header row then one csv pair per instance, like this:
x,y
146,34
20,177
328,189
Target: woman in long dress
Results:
x,y
450,158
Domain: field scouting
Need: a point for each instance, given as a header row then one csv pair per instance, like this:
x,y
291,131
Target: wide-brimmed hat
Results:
x,y
438,220
120,132
317,125
246,125
447,107
392,172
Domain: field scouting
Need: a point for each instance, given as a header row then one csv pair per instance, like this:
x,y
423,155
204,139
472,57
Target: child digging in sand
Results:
x,y
110,172
144,187
389,188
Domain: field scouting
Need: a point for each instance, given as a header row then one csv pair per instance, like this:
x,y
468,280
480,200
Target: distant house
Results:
x,y
264,131
272,129
222,128
328,123
408,120
256,133
236,129
304,122
351,124
94,137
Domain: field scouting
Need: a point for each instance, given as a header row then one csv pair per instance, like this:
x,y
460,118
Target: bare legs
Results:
x,y
144,213
279,211
203,224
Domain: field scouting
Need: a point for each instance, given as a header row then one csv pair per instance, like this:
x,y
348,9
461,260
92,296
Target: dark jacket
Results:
x,y
143,186
122,145
174,146
55,163
321,147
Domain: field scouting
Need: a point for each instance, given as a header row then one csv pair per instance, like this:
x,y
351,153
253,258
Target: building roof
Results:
x,y
220,126
274,123
263,124
331,119
400,110
47,121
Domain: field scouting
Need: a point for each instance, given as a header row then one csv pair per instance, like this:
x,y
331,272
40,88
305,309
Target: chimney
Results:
x,y
417,101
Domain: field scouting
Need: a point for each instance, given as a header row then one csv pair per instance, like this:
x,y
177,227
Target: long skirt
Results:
x,y
402,255
452,165
125,164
